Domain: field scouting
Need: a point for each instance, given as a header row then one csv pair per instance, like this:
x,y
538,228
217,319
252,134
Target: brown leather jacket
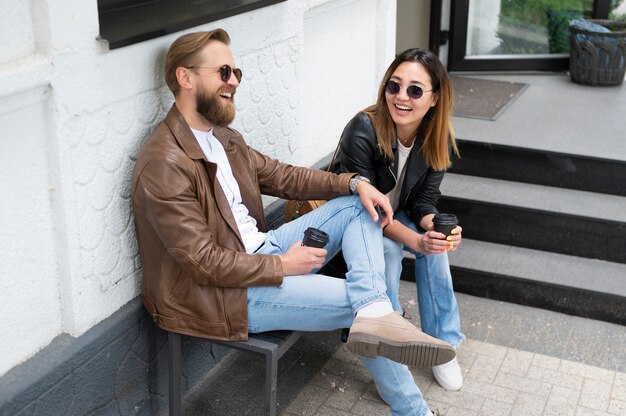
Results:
x,y
195,268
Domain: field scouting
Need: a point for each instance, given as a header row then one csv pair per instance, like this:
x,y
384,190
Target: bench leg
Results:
x,y
173,361
271,372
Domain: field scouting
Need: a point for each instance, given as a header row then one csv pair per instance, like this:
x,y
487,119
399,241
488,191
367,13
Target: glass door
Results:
x,y
500,35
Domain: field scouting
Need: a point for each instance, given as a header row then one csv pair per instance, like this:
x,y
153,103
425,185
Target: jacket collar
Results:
x,y
185,138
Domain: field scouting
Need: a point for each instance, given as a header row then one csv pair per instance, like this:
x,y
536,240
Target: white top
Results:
x,y
214,152
394,194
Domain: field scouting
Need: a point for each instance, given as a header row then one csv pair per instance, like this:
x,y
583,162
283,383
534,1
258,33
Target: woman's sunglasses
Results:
x,y
413,91
224,70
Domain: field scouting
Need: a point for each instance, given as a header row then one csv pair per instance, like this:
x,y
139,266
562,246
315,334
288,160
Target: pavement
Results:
x,y
516,360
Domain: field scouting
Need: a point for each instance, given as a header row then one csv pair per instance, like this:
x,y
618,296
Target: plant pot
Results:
x,y
598,58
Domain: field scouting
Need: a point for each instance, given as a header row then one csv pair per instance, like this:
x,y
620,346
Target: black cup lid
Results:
x,y
445,219
316,234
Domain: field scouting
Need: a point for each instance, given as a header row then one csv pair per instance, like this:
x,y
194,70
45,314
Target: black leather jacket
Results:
x,y
359,152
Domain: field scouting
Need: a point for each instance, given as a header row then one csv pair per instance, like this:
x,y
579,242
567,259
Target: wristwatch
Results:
x,y
354,182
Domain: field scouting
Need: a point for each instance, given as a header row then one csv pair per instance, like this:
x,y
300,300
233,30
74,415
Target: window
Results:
x,y
125,22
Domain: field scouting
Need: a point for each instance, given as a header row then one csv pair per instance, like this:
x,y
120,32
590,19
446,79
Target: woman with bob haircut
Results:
x,y
403,144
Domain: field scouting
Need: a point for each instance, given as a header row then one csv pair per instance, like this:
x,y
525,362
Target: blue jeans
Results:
x,y
315,302
439,311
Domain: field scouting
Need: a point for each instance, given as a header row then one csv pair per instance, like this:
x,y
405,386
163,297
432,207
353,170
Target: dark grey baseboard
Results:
x,y
118,367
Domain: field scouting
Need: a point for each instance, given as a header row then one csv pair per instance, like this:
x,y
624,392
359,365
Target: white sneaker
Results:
x,y
449,375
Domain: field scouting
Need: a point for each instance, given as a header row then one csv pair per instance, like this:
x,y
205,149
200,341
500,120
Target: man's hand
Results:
x,y
372,198
301,259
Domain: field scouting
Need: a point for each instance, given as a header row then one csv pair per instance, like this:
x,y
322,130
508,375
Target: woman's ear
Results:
x,y
435,99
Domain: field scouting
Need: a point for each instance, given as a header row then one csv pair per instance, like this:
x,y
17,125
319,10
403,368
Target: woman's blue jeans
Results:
x,y
439,311
315,302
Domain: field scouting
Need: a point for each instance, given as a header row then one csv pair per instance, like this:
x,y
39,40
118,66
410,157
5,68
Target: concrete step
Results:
x,y
542,267
564,221
542,167
584,287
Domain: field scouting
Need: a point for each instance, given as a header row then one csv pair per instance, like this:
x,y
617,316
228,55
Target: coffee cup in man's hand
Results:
x,y
445,223
314,238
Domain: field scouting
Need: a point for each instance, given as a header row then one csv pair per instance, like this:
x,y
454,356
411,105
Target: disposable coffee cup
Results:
x,y
314,238
445,223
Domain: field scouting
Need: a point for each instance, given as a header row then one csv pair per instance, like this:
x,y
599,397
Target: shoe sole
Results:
x,y
416,354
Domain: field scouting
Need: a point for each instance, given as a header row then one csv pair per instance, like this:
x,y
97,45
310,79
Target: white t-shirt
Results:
x,y
214,152
394,194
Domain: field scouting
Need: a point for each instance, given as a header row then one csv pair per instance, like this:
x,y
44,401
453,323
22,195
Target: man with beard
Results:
x,y
210,267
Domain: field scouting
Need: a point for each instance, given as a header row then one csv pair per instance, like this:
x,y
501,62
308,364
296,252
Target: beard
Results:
x,y
212,107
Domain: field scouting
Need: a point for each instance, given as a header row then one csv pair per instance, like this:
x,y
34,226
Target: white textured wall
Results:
x,y
73,116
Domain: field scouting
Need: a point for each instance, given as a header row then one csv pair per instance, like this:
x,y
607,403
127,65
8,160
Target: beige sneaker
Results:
x,y
393,337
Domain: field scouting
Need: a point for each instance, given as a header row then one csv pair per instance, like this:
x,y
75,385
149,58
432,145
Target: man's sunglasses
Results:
x,y
413,91
224,70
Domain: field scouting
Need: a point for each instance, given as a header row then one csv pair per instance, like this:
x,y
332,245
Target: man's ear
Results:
x,y
182,76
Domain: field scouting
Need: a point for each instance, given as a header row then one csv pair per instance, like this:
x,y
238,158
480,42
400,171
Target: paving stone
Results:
x,y
595,395
353,371
370,407
617,407
556,378
517,362
491,391
522,384
619,387
345,395
561,401
461,411
484,369
465,357
496,352
310,399
544,361
529,405
331,411
370,393
461,399
585,411
587,371
423,377
495,408
438,406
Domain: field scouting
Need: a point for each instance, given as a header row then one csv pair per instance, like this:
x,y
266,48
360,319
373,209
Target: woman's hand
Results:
x,y
432,242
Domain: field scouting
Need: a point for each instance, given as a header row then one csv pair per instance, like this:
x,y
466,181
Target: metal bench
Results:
x,y
271,344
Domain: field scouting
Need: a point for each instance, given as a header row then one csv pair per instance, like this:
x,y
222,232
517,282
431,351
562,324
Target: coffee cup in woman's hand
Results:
x,y
445,223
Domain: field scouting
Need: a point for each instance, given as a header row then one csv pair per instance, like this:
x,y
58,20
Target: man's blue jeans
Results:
x,y
315,302
439,311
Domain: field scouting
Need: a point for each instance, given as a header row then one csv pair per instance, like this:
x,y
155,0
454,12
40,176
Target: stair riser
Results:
x,y
540,230
541,167
573,301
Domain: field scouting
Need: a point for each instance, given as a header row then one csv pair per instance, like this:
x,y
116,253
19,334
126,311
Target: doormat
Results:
x,y
482,98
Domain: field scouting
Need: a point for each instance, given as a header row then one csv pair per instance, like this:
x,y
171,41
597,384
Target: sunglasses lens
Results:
x,y
392,87
225,71
414,92
238,74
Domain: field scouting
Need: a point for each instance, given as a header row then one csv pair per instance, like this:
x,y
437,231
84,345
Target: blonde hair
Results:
x,y
436,127
185,49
